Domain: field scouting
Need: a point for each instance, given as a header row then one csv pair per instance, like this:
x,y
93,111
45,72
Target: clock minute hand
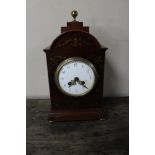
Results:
x,y
83,84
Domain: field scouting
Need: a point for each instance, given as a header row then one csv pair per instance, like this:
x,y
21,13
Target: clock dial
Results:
x,y
76,76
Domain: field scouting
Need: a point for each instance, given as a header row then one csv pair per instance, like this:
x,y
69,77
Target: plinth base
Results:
x,y
75,115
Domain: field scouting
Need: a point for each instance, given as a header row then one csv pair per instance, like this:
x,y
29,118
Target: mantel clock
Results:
x,y
75,63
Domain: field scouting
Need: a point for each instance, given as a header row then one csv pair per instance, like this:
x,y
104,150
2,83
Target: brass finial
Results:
x,y
74,14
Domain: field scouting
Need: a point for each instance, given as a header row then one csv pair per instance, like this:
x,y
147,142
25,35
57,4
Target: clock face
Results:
x,y
76,76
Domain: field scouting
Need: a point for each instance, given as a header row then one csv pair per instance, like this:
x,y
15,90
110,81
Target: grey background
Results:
x,y
108,21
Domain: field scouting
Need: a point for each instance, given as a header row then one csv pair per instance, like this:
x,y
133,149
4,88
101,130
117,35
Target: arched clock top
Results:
x,y
75,39
75,36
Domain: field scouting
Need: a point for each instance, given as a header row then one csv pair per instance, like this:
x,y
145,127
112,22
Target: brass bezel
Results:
x,y
68,60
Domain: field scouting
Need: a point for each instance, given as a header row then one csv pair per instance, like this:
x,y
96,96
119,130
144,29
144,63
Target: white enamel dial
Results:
x,y
76,76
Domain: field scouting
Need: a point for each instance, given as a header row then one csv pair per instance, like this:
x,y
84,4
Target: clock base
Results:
x,y
75,115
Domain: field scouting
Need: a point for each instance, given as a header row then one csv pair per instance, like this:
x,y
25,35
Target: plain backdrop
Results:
x,y
109,23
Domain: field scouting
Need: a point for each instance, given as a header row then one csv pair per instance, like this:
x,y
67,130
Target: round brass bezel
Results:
x,y
72,59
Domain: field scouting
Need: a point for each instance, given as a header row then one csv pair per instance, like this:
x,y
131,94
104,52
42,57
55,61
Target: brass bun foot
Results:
x,y
51,121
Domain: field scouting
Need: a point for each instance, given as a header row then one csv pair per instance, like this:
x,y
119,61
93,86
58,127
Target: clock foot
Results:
x,y
51,121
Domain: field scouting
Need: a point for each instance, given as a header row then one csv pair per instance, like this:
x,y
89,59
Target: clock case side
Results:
x,y
75,41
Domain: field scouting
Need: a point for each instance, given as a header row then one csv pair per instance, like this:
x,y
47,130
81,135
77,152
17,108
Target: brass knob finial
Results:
x,y
74,14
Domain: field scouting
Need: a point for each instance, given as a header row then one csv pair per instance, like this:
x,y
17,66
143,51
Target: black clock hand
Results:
x,y
69,84
83,84
72,82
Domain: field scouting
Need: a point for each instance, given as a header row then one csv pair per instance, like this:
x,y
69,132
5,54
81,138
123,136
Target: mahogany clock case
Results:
x,y
75,43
